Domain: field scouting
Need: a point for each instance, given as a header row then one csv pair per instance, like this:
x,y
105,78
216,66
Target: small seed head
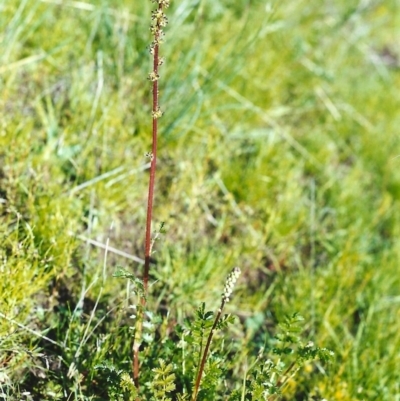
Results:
x,y
153,76
163,3
162,21
155,14
153,29
157,113
230,283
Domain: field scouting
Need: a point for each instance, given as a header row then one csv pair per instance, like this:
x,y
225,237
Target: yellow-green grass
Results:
x,y
279,152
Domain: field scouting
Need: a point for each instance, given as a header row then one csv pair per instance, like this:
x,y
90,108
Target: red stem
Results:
x,y
205,353
153,164
150,199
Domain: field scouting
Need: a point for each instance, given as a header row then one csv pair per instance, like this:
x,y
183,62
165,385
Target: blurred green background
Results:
x,y
279,152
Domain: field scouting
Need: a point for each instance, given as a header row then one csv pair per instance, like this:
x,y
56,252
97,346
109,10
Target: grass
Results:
x,y
279,152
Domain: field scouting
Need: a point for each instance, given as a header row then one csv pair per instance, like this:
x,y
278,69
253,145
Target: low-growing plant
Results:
x,y
273,369
187,367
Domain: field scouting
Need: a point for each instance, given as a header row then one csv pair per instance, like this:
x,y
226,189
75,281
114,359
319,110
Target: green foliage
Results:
x,y
199,331
163,381
138,287
275,366
120,386
200,327
269,374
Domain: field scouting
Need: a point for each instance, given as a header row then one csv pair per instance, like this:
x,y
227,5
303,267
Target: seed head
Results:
x,y
230,283
163,3
153,76
157,113
162,21
157,14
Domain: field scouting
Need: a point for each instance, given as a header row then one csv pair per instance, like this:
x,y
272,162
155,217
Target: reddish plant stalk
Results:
x,y
153,164
230,283
205,353
159,21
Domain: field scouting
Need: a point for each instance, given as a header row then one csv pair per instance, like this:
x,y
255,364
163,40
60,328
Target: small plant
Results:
x,y
187,369
218,323
269,374
163,381
201,371
197,336
119,384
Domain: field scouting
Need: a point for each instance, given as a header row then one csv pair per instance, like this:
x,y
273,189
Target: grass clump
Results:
x,y
279,154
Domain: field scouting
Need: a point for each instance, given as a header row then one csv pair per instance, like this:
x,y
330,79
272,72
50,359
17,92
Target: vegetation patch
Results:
x,y
278,152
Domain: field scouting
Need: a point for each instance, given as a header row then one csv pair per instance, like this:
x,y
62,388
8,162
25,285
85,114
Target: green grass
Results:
x,y
279,152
